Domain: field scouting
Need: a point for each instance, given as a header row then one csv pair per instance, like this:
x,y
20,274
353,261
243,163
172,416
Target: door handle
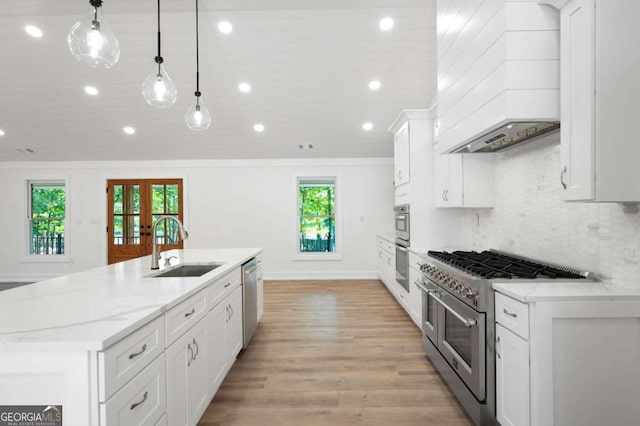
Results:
x,y
468,322
498,353
197,349
144,398
509,313
564,171
135,354
188,314
190,357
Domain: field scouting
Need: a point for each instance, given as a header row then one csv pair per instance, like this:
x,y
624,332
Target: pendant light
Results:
x,y
197,116
158,88
91,40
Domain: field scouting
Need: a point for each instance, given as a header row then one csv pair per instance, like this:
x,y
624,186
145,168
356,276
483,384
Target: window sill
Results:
x,y
51,258
317,256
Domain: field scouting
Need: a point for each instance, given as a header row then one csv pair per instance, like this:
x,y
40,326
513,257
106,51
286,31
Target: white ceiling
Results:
x,y
309,63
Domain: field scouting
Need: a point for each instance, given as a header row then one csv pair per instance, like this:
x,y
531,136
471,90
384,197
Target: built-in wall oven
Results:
x,y
402,245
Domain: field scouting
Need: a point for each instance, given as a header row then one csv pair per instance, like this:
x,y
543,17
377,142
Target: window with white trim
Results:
x,y
47,209
316,215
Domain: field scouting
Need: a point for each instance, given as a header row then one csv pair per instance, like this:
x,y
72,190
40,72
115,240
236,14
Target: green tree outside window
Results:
x,y
317,203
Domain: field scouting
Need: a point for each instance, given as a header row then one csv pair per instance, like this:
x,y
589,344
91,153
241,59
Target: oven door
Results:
x,y
402,267
461,340
402,226
429,310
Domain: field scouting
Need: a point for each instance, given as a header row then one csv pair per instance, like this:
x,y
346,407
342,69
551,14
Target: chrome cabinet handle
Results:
x,y
498,353
227,285
197,349
188,314
443,199
144,398
446,195
135,354
509,313
231,307
468,322
191,357
227,308
402,249
564,171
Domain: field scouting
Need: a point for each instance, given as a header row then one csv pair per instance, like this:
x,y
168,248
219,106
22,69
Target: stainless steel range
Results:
x,y
459,321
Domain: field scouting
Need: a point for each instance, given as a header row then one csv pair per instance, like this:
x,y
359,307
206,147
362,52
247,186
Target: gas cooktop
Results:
x,y
496,265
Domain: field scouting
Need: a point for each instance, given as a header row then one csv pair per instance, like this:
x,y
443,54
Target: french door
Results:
x,y
133,207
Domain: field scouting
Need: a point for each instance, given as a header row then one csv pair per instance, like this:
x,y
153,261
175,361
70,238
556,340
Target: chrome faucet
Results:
x,y
154,253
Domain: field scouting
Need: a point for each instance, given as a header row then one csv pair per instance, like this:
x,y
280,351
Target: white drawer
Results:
x,y
120,362
513,315
222,287
415,261
386,245
142,401
182,317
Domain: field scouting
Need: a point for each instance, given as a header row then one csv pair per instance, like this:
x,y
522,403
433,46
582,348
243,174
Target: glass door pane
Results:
x,y
126,215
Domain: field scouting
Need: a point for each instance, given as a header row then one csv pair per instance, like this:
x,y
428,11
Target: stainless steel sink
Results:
x,y
187,270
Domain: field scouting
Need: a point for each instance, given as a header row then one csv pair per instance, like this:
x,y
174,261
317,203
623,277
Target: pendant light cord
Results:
x,y
197,56
159,59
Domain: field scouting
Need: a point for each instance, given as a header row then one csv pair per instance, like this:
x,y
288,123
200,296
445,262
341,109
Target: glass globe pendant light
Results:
x,y
197,116
91,41
158,88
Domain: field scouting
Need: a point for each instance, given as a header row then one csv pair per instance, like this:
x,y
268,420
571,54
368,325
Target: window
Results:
x,y
316,215
46,217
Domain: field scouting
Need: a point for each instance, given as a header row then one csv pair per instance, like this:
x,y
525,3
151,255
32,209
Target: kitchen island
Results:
x,y
117,345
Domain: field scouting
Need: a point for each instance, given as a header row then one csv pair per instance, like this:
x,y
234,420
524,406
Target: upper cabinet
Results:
x,y
498,63
600,59
463,180
401,155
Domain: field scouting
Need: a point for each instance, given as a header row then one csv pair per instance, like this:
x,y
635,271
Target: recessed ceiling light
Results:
x,y
129,130
386,24
375,84
367,126
258,127
1,132
90,90
225,27
33,31
244,87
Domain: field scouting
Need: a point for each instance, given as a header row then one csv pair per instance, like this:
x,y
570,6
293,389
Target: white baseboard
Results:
x,y
322,275
25,278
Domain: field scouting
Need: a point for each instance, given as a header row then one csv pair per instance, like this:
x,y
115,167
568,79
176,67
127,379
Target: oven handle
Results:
x,y
400,248
466,321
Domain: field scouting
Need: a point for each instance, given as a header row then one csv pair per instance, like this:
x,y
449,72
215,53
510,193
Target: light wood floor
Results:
x,y
333,353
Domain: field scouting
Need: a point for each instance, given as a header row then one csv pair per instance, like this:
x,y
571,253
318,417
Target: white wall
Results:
x,y
231,203
530,219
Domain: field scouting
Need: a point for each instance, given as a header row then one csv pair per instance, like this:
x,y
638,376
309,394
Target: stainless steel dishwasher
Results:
x,y
249,300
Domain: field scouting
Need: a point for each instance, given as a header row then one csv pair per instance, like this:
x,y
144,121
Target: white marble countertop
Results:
x,y
91,310
554,291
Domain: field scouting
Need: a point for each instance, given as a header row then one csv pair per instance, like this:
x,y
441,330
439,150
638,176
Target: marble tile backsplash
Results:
x,y
530,219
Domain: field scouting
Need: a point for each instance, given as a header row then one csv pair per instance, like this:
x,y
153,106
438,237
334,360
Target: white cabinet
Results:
x,y
463,180
187,377
401,155
512,378
415,294
217,353
548,352
599,92
386,262
234,324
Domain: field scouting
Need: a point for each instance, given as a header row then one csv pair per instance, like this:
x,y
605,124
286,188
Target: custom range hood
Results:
x,y
508,136
498,74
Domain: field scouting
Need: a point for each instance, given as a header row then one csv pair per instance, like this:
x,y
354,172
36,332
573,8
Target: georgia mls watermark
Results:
x,y
30,415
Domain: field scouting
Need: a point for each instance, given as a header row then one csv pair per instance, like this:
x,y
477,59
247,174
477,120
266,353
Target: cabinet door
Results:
x,y
179,357
454,193
186,377
440,177
234,324
512,378
401,155
217,347
415,297
198,398
577,71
